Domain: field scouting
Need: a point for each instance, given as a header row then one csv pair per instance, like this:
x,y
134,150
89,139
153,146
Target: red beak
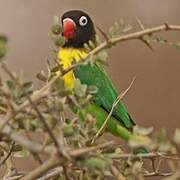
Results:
x,y
69,28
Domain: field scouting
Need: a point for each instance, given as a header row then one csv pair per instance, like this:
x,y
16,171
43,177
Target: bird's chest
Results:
x,y
67,56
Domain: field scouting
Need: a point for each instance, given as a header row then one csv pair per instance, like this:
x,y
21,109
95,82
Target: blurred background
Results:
x,y
154,97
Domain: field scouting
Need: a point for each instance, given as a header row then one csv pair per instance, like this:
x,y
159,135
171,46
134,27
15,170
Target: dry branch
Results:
x,y
58,155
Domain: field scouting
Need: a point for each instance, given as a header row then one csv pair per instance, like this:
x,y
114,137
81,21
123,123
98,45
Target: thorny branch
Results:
x,y
59,149
136,35
51,167
54,161
7,155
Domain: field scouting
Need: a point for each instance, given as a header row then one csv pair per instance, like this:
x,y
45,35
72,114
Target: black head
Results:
x,y
78,28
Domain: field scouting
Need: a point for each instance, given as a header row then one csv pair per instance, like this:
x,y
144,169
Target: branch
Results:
x,y
55,161
158,174
43,92
52,174
146,156
8,154
174,177
30,145
59,147
136,35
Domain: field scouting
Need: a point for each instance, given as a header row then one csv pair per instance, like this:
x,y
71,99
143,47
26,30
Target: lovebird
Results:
x,y
78,29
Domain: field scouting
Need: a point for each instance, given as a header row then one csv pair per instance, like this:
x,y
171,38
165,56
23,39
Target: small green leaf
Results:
x,y
165,146
80,89
3,39
59,41
41,76
56,29
58,84
98,40
68,129
94,163
142,130
176,137
91,44
10,84
137,167
92,89
17,147
177,45
55,69
56,19
28,85
22,154
60,87
3,44
101,56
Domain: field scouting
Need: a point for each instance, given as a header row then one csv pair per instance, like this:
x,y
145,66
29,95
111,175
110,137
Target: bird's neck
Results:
x,y
69,54
66,58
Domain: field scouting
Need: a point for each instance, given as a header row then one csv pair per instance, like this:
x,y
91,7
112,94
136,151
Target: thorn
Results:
x,y
147,44
167,26
41,76
103,34
140,23
59,66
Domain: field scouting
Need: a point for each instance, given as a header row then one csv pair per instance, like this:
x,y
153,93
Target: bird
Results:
x,y
78,29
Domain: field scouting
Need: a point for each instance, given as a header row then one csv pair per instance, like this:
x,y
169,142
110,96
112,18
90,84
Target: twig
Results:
x,y
140,23
8,154
34,154
145,156
136,35
103,34
142,38
36,147
20,108
65,172
119,98
39,171
117,174
41,117
51,174
55,161
175,176
24,141
14,175
80,152
158,174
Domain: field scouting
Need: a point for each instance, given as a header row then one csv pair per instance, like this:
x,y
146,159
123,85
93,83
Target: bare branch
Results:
x,y
136,35
32,146
60,150
153,155
51,174
7,155
55,161
48,169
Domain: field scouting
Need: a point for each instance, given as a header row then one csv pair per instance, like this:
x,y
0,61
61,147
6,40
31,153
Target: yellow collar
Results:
x,y
66,57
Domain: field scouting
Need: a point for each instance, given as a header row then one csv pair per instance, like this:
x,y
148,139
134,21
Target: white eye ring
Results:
x,y
83,20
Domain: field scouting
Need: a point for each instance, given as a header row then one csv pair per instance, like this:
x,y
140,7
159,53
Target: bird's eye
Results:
x,y
83,20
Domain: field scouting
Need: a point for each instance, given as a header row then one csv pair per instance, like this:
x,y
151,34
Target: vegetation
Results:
x,y
72,144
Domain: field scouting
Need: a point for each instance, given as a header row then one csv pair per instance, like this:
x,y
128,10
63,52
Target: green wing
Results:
x,y
107,94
